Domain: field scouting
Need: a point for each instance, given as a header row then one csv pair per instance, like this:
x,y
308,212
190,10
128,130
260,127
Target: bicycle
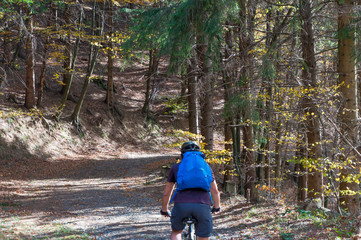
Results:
x,y
190,221
190,234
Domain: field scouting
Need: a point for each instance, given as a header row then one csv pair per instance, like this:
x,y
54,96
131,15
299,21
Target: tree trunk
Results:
x,y
236,137
93,31
206,84
92,61
228,74
192,96
72,68
19,44
348,114
300,170
110,83
277,157
229,119
184,87
42,75
309,83
152,70
67,52
265,105
146,104
247,13
7,42
30,64
66,65
75,115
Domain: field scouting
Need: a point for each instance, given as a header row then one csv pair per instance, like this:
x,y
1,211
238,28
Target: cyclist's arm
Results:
x,y
215,195
166,195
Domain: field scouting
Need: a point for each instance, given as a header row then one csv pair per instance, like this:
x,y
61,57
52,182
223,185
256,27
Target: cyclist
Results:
x,y
194,202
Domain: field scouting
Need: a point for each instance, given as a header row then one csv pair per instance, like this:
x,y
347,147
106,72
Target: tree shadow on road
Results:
x,y
17,161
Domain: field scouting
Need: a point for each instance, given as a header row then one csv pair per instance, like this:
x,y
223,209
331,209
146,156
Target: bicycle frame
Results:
x,y
190,234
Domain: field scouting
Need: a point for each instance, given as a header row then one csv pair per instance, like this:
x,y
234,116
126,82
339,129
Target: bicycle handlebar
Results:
x,y
214,210
168,214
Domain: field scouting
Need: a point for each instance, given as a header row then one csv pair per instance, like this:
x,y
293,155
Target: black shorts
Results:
x,y
201,212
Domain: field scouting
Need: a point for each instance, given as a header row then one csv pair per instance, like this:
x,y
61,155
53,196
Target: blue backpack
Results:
x,y
194,172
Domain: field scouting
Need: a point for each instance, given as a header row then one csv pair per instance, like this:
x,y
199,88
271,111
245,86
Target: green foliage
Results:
x,y
235,105
303,213
253,212
18,1
268,68
287,236
345,227
35,7
176,105
327,166
174,28
346,33
241,103
318,216
52,231
148,31
9,204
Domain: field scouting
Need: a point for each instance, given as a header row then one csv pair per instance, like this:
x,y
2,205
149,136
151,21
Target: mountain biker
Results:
x,y
195,202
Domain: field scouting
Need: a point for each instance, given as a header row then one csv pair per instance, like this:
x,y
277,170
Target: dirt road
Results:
x,y
104,199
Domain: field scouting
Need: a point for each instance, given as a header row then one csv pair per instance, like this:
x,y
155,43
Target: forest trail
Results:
x,y
115,198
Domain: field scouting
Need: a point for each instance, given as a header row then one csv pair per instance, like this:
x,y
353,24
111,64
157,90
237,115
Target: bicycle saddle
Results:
x,y
189,220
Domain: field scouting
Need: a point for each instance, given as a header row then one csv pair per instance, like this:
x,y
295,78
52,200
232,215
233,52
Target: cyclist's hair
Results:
x,y
189,147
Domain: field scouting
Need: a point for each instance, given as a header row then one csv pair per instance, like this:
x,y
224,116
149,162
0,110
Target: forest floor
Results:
x,y
108,183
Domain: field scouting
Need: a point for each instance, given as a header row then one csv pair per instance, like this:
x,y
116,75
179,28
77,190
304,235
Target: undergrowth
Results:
x,y
17,230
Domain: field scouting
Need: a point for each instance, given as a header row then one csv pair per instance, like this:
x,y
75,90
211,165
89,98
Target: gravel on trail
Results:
x,y
108,199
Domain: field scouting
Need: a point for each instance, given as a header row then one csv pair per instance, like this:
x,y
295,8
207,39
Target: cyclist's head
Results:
x,y
189,147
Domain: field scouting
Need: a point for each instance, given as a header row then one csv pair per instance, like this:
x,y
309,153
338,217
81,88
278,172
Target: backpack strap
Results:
x,y
175,192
